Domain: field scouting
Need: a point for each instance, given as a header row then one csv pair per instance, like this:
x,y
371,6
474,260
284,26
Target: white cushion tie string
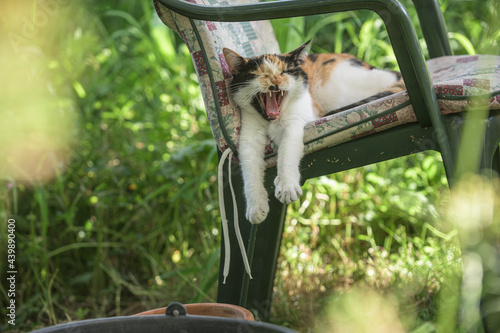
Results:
x,y
228,154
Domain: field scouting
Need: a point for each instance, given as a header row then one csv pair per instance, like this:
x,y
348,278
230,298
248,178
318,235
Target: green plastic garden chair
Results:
x,y
429,116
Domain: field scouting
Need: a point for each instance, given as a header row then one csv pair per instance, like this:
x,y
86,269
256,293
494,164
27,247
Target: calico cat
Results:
x,y
278,95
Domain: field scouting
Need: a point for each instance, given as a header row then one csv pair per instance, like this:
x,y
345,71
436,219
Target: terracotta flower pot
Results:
x,y
176,317
209,309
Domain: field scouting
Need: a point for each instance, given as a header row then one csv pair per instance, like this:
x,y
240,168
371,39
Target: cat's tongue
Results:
x,y
272,107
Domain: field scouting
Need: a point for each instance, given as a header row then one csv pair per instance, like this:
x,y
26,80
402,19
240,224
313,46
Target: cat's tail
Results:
x,y
395,88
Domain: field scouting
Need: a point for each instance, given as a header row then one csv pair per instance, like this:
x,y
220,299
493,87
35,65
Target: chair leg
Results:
x,y
267,248
487,164
490,155
257,294
454,127
490,251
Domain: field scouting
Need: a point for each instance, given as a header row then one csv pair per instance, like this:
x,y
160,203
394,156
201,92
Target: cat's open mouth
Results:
x,y
271,102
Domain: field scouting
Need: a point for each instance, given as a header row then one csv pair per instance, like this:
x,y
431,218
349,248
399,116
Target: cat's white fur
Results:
x,y
288,133
350,84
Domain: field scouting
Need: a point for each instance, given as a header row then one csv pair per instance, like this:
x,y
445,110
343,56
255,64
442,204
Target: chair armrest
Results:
x,y
399,27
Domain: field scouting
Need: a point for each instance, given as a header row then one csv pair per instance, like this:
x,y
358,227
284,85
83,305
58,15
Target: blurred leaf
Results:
x,y
464,41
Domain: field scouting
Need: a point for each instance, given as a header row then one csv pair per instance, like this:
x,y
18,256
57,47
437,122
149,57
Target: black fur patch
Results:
x,y
240,80
329,61
378,95
312,57
292,60
297,73
356,62
281,57
255,103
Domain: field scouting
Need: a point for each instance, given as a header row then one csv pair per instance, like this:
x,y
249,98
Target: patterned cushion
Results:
x,y
456,79
247,38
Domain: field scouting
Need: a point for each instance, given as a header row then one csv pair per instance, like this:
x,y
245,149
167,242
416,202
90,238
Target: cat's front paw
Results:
x,y
287,192
257,212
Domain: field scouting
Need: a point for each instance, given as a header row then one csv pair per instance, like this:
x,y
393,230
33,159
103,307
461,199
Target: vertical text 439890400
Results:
x,y
11,271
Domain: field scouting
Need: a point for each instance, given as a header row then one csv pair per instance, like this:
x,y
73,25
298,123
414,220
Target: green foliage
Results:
x,y
133,217
132,220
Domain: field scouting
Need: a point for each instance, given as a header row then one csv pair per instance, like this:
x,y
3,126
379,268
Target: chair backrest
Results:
x,y
205,40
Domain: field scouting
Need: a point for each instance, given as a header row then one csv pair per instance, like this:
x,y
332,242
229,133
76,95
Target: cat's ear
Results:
x,y
298,55
234,61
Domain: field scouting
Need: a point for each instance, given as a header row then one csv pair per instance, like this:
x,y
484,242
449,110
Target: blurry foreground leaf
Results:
x,y
36,120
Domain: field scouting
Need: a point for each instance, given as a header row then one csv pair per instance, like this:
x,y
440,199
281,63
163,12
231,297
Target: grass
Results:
x,y
130,215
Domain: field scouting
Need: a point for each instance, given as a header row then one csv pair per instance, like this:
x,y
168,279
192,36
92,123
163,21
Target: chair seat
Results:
x,y
459,81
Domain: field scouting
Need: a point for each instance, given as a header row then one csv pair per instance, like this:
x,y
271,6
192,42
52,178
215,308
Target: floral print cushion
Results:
x,y
461,81
456,79
205,40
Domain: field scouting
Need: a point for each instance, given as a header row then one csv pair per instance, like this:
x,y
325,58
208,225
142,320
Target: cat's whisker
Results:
x,y
241,84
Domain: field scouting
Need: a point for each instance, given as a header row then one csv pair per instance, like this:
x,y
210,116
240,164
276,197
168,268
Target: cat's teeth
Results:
x,y
282,92
270,94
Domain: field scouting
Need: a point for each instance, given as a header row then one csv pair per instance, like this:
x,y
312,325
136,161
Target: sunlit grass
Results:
x,y
362,229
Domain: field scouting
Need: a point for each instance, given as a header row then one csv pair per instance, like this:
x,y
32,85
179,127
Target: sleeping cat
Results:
x,y
278,95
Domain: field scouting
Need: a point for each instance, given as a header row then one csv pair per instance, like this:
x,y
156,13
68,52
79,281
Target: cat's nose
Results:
x,y
275,87
275,80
